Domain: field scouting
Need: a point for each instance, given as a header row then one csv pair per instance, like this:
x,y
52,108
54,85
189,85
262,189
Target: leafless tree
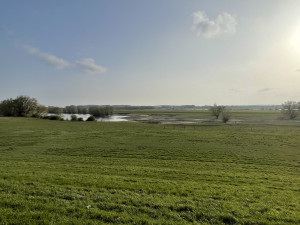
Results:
x,y
291,109
217,110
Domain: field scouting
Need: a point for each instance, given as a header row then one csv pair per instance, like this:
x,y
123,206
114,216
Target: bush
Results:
x,y
54,117
74,118
91,118
80,119
225,116
36,115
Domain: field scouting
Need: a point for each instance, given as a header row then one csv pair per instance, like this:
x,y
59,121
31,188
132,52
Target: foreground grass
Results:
x,y
54,172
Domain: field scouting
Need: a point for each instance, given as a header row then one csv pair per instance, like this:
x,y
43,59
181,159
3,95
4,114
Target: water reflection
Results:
x,y
114,118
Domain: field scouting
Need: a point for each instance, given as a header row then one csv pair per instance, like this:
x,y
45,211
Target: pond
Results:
x,y
114,118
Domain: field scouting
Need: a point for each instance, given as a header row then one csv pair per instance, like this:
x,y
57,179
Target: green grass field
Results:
x,y
62,172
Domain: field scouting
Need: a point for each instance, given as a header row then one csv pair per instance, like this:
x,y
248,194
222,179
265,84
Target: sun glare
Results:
x,y
295,40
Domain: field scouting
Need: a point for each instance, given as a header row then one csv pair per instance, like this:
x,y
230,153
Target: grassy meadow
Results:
x,y
62,172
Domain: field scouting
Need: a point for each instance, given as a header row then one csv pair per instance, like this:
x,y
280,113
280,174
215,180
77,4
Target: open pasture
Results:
x,y
62,172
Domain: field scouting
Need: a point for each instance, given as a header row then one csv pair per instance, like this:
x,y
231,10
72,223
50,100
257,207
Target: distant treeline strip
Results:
x,y
27,106
97,111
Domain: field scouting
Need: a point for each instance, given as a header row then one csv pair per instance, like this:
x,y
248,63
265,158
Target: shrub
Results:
x,y
225,116
36,115
54,117
80,119
91,118
74,118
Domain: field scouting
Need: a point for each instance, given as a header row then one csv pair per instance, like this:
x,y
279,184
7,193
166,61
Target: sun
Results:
x,y
295,40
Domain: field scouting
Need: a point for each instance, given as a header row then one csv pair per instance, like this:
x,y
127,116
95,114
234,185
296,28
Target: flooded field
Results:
x,y
114,118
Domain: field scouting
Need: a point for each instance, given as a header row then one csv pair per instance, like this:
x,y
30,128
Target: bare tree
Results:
x,y
291,109
217,110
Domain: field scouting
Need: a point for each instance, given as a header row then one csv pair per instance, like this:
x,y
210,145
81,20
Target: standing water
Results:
x,y
113,118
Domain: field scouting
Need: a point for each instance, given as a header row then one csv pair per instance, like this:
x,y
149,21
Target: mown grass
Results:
x,y
206,114
62,172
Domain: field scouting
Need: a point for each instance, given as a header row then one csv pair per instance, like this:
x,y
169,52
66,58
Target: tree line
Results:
x,y
97,111
72,109
27,106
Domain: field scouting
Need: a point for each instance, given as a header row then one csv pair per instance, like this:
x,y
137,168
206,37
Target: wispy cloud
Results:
x,y
88,65
223,24
264,90
46,57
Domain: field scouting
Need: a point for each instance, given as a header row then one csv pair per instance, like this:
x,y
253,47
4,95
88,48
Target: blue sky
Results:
x,y
150,52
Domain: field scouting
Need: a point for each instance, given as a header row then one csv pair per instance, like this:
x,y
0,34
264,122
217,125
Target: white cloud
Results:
x,y
223,24
46,57
88,65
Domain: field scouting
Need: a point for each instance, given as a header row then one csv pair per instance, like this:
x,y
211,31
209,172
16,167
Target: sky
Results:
x,y
150,52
